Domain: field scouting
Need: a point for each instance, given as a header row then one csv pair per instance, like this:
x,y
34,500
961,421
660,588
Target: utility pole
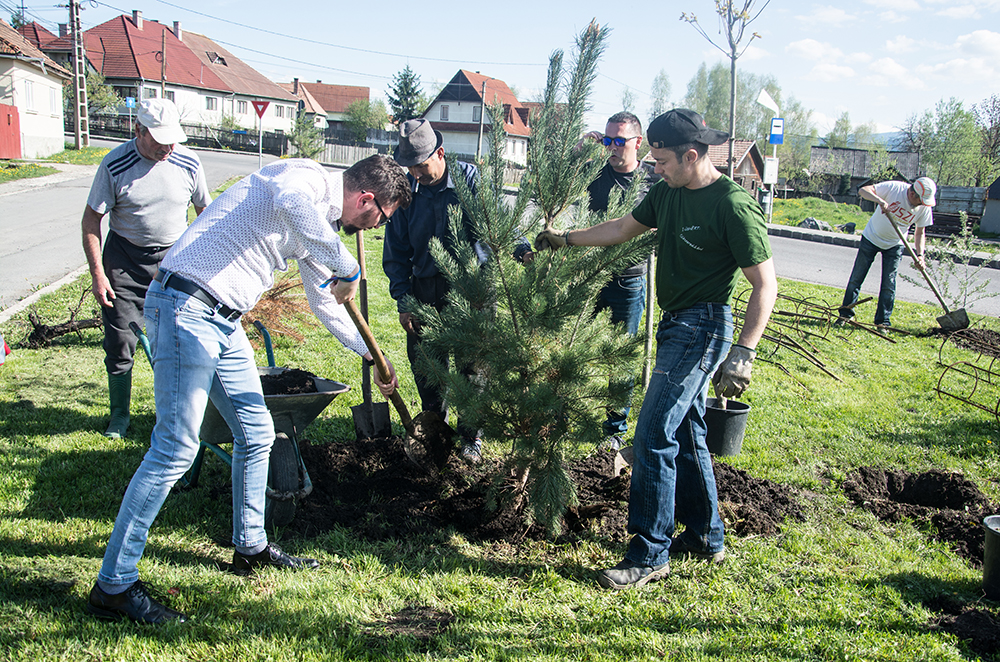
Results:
x,y
163,64
482,118
80,123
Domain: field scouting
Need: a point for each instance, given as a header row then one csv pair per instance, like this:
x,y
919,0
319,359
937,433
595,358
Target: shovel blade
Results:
x,y
432,438
956,320
371,421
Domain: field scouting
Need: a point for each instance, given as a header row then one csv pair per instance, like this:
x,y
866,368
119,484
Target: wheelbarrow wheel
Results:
x,y
283,477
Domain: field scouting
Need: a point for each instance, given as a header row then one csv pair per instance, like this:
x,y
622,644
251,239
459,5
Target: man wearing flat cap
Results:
x,y
710,230
144,186
406,256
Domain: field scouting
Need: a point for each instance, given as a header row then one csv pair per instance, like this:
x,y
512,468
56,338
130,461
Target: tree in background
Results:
x,y
18,19
544,361
101,97
405,100
949,144
363,114
844,134
987,114
306,137
660,93
628,99
734,18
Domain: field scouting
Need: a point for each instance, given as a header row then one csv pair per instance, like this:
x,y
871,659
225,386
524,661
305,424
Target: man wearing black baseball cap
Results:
x,y
710,231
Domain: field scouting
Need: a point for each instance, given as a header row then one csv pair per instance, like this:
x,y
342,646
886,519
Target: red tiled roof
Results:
x,y
240,77
311,105
335,98
13,43
719,154
118,49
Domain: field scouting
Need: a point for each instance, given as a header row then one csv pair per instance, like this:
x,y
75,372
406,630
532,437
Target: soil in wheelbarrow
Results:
x,y
290,382
371,488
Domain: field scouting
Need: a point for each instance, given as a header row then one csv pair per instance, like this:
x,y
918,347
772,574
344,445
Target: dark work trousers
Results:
x,y
130,270
432,291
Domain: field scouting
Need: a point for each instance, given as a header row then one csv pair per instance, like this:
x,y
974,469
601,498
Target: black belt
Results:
x,y
187,287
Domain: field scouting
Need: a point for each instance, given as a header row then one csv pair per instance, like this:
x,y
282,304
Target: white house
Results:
x,y
32,82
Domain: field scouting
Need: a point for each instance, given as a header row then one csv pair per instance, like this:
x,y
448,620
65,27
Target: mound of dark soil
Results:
x,y
978,628
982,341
951,504
371,488
289,382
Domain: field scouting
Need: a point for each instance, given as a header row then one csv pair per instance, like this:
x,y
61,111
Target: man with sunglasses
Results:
x,y
625,295
406,256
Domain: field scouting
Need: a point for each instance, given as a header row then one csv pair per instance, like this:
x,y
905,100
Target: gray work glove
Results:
x,y
550,238
733,376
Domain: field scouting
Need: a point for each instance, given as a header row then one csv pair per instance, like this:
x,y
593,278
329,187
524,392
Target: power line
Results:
x,y
311,64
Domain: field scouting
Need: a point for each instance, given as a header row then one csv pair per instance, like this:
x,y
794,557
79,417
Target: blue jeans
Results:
x,y
887,290
625,296
197,355
672,475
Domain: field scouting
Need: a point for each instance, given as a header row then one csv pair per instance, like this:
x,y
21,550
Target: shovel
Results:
x,y
951,321
429,440
371,419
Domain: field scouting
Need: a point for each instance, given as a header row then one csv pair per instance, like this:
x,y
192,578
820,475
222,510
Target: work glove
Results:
x,y
733,376
550,238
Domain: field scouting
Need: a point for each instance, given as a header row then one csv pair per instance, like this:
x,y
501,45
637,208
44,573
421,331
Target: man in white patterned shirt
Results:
x,y
214,273
144,187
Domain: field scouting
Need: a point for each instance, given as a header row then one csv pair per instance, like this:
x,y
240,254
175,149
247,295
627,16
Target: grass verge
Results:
x,y
85,156
839,585
794,211
13,170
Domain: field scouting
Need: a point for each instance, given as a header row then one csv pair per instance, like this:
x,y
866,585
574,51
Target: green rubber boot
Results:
x,y
120,394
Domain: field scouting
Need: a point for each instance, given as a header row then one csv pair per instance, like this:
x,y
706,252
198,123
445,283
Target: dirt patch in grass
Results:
x,y
371,488
978,628
949,503
416,621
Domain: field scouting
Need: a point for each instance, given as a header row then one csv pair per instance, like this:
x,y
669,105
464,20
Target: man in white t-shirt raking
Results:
x,y
144,187
905,205
215,272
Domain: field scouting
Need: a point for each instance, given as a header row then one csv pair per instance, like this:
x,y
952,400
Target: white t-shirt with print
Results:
x,y
879,231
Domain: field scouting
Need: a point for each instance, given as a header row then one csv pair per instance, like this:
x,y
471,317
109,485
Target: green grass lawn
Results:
x,y
86,156
839,585
11,170
794,211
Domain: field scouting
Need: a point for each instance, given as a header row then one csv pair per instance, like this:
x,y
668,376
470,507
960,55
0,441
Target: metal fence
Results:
x,y
199,135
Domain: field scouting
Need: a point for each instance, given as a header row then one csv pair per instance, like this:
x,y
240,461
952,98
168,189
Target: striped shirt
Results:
x,y
146,201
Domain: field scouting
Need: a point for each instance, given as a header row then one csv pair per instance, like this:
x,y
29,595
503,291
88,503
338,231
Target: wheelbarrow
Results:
x,y
287,479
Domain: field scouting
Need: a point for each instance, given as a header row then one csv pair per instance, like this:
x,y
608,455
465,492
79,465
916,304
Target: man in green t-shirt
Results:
x,y
710,230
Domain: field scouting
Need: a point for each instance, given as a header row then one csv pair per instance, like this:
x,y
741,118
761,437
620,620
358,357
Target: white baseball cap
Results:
x,y
925,189
160,116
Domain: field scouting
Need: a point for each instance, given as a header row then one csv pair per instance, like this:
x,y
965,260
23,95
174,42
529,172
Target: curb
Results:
x,y
852,241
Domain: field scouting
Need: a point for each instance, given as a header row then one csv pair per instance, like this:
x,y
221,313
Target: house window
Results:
x,y
149,93
29,95
54,102
279,111
168,95
477,113
444,113
124,91
211,103
241,107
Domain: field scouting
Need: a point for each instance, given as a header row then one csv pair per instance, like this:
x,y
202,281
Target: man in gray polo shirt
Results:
x,y
144,186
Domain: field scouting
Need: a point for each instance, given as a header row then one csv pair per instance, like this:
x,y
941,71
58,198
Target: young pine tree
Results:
x,y
543,359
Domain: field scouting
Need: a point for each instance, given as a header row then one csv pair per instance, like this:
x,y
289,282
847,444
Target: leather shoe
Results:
x,y
135,603
272,556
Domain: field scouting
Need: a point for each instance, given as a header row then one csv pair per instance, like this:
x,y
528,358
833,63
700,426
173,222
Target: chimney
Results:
x,y
177,31
318,81
137,18
295,87
64,29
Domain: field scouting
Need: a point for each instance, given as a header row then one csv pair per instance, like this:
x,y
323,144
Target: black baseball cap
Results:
x,y
681,126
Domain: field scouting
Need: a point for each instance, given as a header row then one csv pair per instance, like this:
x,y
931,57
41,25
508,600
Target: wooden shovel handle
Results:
x,y
920,268
380,362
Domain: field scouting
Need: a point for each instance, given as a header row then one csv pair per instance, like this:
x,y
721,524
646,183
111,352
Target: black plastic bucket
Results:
x,y
991,558
725,426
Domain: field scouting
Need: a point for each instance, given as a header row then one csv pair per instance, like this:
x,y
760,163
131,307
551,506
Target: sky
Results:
x,y
881,61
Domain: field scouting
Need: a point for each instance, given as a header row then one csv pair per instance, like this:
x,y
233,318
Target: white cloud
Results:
x,y
827,16
827,72
964,70
901,44
960,12
895,5
892,17
886,72
810,49
982,43
753,54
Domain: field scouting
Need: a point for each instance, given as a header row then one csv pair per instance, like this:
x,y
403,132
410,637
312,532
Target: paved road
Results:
x,y
40,222
827,264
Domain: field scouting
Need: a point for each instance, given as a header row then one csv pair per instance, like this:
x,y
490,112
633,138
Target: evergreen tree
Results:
x,y
306,137
405,99
544,362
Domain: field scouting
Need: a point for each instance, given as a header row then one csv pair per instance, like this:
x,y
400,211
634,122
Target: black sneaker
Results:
x,y
472,450
680,548
628,575
272,556
136,604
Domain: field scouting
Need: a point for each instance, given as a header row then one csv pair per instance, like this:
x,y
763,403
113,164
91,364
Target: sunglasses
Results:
x,y
385,217
617,142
